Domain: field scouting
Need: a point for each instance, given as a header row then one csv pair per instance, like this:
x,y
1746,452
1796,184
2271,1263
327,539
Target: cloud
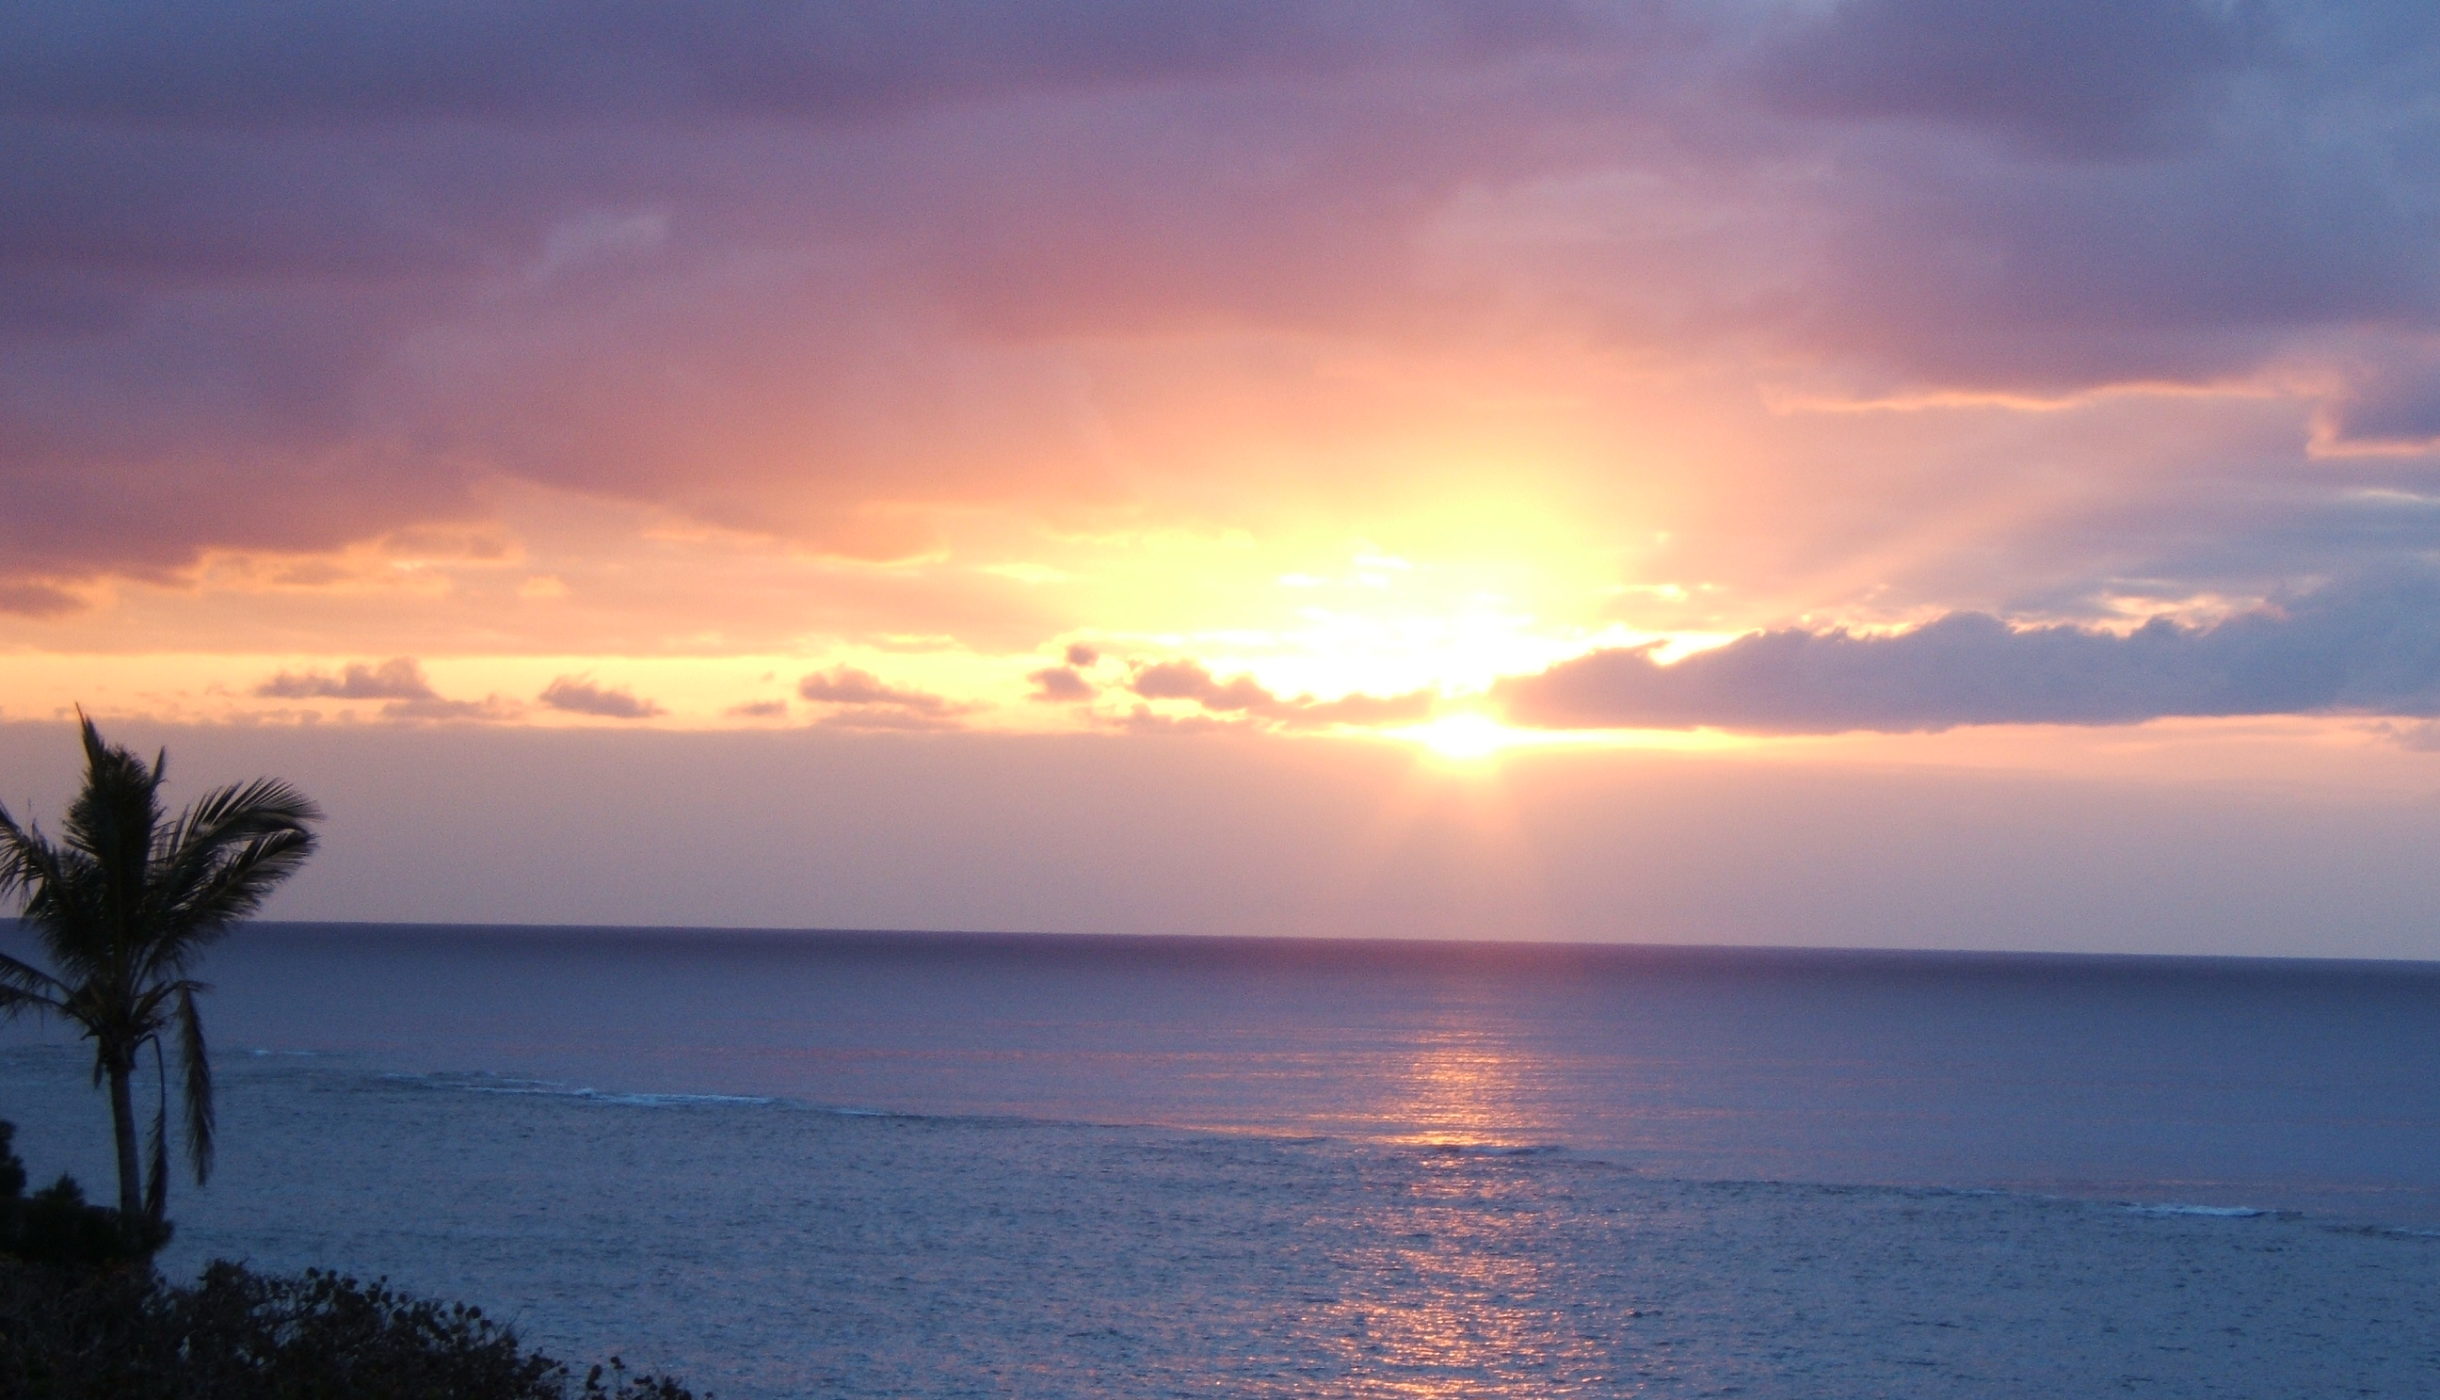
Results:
x,y
37,600
1243,695
1360,709
434,708
858,699
400,678
1948,270
2076,78
1143,719
1061,685
1071,681
1190,680
400,681
833,277
760,709
2423,736
887,719
287,296
2391,405
847,685
2366,646
562,60
579,695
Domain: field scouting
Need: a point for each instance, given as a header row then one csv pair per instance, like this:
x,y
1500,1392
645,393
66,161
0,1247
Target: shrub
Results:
x,y
56,1226
84,1317
68,1334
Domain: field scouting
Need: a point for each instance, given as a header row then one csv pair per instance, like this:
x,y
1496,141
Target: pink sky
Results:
x,y
1294,409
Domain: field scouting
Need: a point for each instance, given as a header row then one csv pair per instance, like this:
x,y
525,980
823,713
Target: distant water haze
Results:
x,y
2329,855
2260,1083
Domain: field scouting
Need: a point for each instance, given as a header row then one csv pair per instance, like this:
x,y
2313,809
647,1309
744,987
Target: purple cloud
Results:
x,y
1061,685
2076,78
2368,646
399,681
284,296
37,600
579,695
858,699
617,61
848,685
2393,404
1243,695
438,709
400,678
1190,680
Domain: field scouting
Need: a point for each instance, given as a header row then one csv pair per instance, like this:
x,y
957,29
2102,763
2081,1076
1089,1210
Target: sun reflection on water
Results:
x,y
1451,1293
1460,1089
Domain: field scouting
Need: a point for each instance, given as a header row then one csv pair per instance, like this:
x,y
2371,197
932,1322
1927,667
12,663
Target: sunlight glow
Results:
x,y
1464,738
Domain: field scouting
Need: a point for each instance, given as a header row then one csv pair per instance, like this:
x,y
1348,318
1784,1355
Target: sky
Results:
x,y
1896,472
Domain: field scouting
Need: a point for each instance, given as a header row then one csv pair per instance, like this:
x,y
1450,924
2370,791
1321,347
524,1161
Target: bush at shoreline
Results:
x,y
83,1316
124,1334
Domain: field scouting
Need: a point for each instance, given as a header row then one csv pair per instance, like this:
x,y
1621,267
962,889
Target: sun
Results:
x,y
1463,738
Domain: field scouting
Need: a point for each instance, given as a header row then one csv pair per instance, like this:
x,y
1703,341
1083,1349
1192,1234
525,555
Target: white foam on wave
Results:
x,y
2176,1208
1491,1149
544,1088
661,1100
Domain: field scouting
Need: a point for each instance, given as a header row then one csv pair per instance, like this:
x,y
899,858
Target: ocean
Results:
x,y
868,1165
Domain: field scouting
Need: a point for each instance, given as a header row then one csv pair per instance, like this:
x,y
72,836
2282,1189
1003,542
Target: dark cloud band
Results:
x,y
2367,646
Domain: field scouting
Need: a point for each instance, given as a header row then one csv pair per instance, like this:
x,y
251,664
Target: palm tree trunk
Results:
x,y
123,1123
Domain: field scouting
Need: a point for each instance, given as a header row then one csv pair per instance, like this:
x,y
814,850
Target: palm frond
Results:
x,y
220,860
156,1181
24,987
141,1016
228,890
27,979
201,1120
58,888
14,1003
245,809
114,815
107,1019
13,841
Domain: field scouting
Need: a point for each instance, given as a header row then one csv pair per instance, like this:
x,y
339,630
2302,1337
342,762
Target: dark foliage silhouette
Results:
x,y
55,1226
84,1317
123,902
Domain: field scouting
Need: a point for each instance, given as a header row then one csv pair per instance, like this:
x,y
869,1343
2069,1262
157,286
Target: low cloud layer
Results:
x,y
580,695
1245,696
2368,646
1061,685
849,685
398,682
853,698
400,678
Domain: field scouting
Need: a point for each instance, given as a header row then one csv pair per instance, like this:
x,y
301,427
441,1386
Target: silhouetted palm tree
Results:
x,y
123,903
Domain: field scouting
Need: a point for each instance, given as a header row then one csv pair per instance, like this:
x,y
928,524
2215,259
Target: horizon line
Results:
x,y
1334,942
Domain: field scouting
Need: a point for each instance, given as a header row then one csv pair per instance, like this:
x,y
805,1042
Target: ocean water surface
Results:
x,y
898,1165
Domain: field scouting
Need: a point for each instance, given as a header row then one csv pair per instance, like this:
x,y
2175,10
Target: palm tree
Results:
x,y
124,903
